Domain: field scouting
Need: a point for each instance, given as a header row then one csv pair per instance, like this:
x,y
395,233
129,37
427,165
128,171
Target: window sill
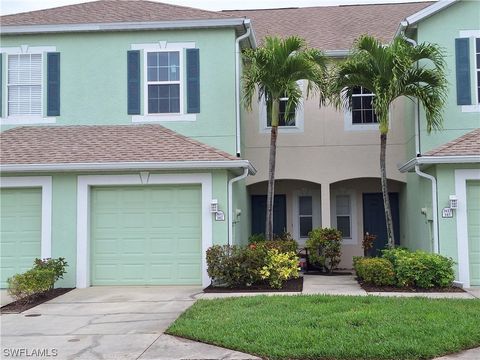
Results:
x,y
283,129
470,108
361,127
162,118
27,120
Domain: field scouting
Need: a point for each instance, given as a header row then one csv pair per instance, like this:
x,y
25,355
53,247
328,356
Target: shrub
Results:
x,y
283,243
235,266
256,238
279,267
324,247
420,269
58,266
30,284
375,271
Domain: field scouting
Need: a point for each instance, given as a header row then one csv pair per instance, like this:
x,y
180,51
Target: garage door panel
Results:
x,y
20,232
151,234
473,219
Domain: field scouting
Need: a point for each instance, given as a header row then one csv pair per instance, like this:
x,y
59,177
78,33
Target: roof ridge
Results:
x,y
330,6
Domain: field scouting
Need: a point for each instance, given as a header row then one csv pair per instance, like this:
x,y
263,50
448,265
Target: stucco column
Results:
x,y
326,221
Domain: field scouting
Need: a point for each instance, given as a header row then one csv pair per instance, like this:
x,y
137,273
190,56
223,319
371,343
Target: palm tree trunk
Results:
x,y
386,199
271,171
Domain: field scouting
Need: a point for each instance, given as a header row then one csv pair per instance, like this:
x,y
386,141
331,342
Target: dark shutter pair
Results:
x,y
53,84
134,82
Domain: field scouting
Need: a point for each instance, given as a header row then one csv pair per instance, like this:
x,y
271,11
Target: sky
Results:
x,y
15,6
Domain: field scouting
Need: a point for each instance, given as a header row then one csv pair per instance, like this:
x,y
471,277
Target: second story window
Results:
x,y
163,81
362,108
24,85
284,118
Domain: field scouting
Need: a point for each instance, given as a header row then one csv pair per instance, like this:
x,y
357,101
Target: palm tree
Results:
x,y
272,71
391,71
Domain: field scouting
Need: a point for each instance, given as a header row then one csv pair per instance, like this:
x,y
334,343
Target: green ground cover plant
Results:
x,y
334,327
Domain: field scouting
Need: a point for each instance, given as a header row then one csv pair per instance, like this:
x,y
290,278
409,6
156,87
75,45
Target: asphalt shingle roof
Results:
x,y
110,11
102,144
468,144
331,27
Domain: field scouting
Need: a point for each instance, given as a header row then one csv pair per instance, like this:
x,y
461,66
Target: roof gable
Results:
x,y
468,144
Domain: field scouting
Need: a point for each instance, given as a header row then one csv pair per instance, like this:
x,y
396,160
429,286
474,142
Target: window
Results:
x,y
163,81
362,108
24,84
343,215
305,213
284,118
477,57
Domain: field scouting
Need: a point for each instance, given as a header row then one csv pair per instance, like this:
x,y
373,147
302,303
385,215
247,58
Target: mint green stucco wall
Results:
x,y
442,29
94,79
64,216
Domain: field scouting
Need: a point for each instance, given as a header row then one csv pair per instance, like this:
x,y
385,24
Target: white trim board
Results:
x,y
84,184
461,178
45,183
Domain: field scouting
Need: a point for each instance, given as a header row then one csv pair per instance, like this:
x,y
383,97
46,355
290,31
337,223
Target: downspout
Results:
x,y
237,86
418,153
434,206
230,203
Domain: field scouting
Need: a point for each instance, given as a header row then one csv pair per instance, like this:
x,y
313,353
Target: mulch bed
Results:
x,y
374,288
292,285
20,306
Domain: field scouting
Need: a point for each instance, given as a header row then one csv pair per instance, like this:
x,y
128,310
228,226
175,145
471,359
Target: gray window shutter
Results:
x,y
462,66
193,81
1,84
53,84
133,82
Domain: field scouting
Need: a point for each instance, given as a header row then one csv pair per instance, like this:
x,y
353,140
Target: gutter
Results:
x,y
230,204
337,53
434,206
431,160
120,26
238,54
115,166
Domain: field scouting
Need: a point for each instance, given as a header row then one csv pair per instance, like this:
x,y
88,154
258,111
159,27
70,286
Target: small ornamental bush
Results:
x,y
420,269
324,247
279,267
282,243
376,271
32,283
58,266
236,266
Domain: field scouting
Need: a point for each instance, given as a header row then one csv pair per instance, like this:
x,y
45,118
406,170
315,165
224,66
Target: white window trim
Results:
x,y
45,183
472,34
26,119
299,116
84,184
159,47
461,178
353,239
316,211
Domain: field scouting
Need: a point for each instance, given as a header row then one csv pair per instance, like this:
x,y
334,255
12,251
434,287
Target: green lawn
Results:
x,y
334,327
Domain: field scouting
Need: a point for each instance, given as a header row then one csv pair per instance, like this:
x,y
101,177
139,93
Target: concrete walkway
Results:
x,y
109,323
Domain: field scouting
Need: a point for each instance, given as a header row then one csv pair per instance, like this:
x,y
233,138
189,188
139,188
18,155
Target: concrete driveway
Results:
x,y
107,323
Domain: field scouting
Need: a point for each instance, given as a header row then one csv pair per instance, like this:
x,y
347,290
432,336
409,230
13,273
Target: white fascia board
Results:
x,y
337,53
114,166
431,160
429,11
423,14
123,26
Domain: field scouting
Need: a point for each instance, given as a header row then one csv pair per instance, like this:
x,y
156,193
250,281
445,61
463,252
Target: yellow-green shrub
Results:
x,y
376,271
279,267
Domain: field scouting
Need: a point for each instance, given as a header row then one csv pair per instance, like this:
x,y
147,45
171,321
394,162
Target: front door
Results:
x,y
374,219
259,216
